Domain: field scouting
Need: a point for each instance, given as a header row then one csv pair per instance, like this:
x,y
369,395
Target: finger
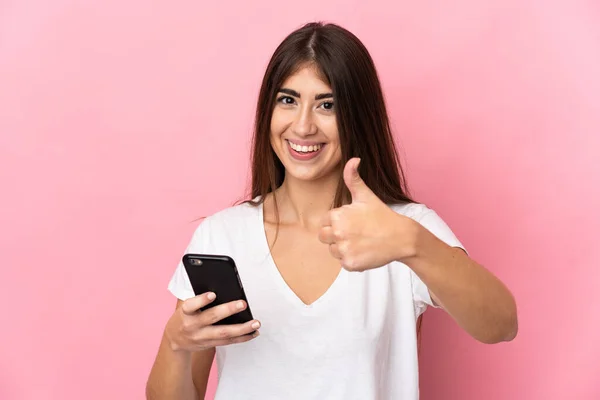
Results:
x,y
235,340
358,189
222,311
335,251
332,217
226,332
192,305
326,235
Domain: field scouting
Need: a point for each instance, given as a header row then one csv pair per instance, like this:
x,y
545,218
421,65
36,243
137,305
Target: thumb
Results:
x,y
358,188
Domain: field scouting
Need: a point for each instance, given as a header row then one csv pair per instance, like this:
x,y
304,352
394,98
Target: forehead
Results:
x,y
307,78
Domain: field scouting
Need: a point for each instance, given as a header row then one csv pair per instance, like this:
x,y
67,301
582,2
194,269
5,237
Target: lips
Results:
x,y
305,148
304,151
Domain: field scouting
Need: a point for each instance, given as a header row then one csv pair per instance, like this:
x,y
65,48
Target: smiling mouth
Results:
x,y
305,149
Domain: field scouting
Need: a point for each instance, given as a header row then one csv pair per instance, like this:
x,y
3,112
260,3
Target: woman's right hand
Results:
x,y
190,329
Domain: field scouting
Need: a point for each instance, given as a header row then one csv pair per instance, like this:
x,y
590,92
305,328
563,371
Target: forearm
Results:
x,y
171,375
479,302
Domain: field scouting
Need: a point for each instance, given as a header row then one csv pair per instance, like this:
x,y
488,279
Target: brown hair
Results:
x,y
362,119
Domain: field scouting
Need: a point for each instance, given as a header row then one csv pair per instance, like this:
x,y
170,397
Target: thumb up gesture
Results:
x,y
366,234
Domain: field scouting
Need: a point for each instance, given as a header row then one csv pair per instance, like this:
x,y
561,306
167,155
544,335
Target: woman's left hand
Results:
x,y
367,234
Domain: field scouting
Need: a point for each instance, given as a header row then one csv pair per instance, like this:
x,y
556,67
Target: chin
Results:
x,y
308,173
302,173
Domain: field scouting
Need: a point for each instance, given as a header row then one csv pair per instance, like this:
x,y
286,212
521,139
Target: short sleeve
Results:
x,y
179,284
430,220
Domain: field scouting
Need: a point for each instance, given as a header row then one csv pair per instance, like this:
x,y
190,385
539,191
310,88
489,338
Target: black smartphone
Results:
x,y
217,274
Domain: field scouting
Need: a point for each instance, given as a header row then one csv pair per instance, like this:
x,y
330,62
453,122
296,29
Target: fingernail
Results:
x,y
255,334
256,325
240,305
211,296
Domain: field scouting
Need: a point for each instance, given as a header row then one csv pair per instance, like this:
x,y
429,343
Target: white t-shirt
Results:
x,y
358,341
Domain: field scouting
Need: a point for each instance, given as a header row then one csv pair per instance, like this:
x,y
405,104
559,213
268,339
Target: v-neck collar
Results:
x,y
285,289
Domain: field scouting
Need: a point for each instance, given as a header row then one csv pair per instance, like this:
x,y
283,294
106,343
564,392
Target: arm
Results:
x,y
367,234
179,374
471,295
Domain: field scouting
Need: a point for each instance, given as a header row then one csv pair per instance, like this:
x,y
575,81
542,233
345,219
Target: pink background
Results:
x,y
123,121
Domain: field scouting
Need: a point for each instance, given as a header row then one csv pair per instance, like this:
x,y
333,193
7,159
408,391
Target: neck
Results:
x,y
305,202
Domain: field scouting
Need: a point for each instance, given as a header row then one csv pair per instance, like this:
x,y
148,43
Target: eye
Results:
x,y
328,106
286,100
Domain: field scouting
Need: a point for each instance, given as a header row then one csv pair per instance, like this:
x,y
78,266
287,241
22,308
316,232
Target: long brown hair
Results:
x,y
363,123
362,119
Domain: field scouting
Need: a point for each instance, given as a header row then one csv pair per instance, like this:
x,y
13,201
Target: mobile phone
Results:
x,y
217,274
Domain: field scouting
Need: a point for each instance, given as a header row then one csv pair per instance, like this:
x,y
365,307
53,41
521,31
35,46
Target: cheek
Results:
x,y
277,122
337,152
275,140
334,137
331,129
274,130
275,144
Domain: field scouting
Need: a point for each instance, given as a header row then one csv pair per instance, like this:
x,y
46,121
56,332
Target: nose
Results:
x,y
304,124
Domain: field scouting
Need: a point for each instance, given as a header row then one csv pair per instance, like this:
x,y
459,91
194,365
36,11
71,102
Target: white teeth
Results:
x,y
305,149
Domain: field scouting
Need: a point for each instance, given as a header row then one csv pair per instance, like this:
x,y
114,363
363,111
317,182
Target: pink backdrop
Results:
x,y
122,121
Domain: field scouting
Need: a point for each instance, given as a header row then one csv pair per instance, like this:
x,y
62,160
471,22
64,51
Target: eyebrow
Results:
x,y
292,92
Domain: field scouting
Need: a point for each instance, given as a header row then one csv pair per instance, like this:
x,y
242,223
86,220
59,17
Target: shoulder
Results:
x,y
224,226
219,233
416,211
239,211
234,217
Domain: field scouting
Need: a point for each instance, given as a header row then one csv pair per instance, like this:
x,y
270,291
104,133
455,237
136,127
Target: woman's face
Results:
x,y
304,132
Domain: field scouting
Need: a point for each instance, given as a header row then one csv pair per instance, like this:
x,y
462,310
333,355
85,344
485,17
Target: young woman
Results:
x,y
337,261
